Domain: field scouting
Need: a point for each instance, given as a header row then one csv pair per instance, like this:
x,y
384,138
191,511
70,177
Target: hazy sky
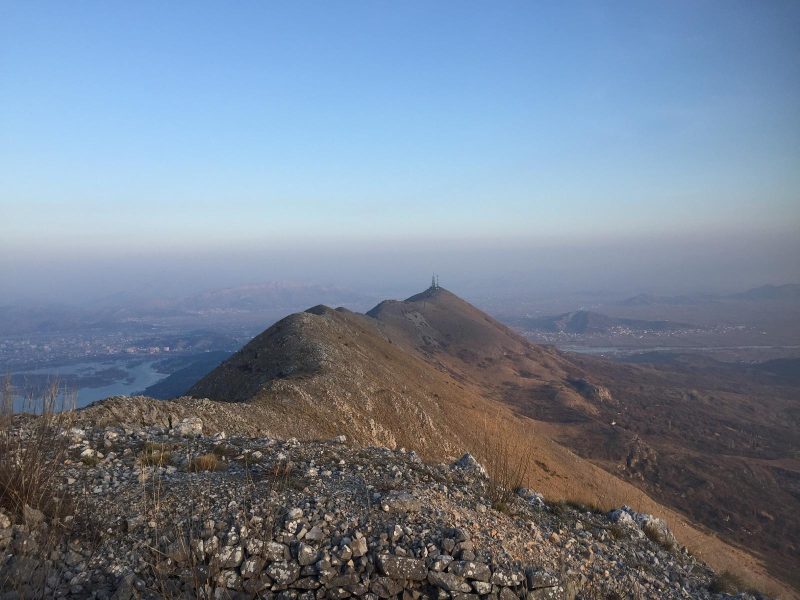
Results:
x,y
216,142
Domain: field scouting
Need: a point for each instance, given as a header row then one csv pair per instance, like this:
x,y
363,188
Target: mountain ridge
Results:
x,y
425,372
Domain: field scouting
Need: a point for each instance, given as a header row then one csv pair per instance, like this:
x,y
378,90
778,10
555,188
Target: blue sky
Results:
x,y
139,128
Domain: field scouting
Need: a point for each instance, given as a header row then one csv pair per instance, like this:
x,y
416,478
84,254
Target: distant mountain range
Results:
x,y
267,301
258,303
272,295
787,292
584,321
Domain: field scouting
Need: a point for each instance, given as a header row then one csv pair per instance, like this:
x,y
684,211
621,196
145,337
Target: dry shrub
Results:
x,y
225,450
564,506
155,458
205,462
285,475
159,446
33,450
506,452
619,531
32,453
660,534
727,583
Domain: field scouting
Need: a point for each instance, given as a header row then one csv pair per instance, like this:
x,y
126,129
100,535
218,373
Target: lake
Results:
x,y
97,379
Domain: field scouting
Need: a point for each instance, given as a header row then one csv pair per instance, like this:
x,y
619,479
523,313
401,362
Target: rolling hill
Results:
x,y
435,374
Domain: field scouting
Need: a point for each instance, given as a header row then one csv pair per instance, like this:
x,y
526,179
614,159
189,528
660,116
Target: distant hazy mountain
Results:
x,y
789,291
584,321
128,309
270,296
652,299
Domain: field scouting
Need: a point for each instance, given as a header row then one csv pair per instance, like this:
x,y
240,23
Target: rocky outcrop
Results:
x,y
312,520
592,391
643,524
642,459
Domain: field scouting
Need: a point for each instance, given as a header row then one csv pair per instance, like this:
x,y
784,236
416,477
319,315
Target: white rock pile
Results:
x,y
167,512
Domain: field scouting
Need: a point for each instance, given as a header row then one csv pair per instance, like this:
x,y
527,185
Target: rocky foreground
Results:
x,y
173,513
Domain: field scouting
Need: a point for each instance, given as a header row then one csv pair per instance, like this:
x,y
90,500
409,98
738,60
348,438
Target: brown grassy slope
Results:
x,y
471,346
721,447
326,372
696,449
441,325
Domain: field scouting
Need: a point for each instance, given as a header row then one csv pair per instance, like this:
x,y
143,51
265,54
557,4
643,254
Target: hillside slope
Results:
x,y
435,374
715,442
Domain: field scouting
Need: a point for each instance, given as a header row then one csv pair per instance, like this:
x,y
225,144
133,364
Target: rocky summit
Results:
x,y
173,512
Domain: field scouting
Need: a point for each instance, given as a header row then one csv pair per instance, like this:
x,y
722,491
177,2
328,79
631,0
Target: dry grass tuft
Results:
x,y
506,453
225,450
33,454
727,583
155,458
206,462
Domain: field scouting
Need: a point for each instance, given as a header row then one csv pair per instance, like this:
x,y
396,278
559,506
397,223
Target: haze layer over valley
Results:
x,y
426,373
228,374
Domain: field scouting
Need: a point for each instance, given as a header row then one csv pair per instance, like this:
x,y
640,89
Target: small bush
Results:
x,y
659,533
225,450
205,462
727,583
161,446
506,454
564,506
155,458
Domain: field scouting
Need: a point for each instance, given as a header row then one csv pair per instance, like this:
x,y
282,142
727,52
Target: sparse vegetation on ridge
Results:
x,y
31,457
205,462
507,454
33,496
247,532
